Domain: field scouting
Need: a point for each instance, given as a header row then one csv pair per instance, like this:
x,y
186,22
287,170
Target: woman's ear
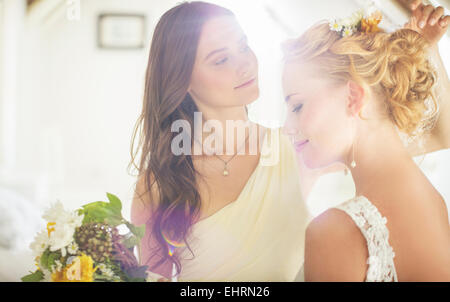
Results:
x,y
355,97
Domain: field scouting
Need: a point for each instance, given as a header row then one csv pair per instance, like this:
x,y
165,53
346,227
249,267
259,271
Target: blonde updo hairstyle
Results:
x,y
394,65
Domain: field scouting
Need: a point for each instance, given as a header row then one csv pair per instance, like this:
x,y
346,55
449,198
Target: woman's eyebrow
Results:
x,y
214,52
243,39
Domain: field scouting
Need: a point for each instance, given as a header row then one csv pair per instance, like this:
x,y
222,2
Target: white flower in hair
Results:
x,y
348,31
335,26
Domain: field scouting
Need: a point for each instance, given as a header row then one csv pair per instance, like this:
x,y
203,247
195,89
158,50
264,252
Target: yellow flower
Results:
x,y
370,25
80,270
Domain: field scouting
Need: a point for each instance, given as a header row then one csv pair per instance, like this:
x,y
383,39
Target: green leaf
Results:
x,y
138,231
37,276
114,201
104,212
130,241
52,258
44,258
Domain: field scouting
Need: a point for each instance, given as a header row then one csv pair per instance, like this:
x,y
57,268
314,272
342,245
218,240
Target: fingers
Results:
x,y
436,15
414,4
426,12
445,21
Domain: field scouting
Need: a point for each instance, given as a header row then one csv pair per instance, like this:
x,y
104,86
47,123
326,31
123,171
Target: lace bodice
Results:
x,y
373,226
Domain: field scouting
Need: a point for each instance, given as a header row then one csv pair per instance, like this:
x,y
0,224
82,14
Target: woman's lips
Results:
x,y
246,84
300,145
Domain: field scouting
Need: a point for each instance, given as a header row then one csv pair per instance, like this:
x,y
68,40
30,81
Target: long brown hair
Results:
x,y
166,99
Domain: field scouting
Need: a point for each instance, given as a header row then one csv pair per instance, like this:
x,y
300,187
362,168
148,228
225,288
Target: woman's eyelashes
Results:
x,y
297,108
245,48
222,61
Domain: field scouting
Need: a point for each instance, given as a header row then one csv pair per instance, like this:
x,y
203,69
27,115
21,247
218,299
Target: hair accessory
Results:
x,y
363,20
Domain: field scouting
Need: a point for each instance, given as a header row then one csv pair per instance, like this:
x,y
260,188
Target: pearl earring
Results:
x,y
353,163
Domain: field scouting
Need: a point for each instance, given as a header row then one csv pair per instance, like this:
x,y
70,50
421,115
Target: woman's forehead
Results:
x,y
218,33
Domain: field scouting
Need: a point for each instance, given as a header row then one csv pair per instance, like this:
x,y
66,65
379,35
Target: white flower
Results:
x,y
335,26
40,243
72,248
61,236
63,225
57,214
348,31
58,265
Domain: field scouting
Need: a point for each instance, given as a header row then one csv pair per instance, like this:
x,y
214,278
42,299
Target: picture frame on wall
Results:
x,y
121,31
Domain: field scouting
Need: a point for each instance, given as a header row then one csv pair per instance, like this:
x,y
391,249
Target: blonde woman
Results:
x,y
349,95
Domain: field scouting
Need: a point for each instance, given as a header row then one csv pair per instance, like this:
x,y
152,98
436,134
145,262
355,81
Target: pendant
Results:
x,y
353,164
225,171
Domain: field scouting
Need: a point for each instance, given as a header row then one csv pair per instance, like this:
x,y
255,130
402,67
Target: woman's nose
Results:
x,y
289,129
243,69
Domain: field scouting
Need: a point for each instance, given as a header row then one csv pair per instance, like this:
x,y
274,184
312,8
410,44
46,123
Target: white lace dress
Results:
x,y
373,226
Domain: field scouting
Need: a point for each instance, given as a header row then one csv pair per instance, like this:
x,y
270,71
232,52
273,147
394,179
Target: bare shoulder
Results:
x,y
418,222
144,199
335,249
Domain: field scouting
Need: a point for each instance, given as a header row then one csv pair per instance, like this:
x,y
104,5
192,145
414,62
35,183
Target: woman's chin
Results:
x,y
314,163
249,97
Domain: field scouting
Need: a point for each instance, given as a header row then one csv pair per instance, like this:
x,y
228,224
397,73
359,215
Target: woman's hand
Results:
x,y
432,24
428,20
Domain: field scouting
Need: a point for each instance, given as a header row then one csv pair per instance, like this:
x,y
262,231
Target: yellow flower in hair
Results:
x,y
370,24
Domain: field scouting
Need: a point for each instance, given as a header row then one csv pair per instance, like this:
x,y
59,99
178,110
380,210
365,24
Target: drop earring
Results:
x,y
353,163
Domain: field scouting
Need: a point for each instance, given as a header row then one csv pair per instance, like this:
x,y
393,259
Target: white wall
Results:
x,y
78,105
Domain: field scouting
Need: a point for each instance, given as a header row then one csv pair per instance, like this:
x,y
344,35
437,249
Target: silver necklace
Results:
x,y
226,172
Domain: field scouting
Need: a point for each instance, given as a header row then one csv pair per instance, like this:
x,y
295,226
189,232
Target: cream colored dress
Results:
x,y
260,236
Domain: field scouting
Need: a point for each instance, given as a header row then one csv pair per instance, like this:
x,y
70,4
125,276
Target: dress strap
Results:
x,y
373,226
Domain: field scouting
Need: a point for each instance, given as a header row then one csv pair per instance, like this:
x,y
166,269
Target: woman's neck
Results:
x,y
215,121
379,156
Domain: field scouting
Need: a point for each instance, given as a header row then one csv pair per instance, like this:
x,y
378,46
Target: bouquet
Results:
x,y
85,245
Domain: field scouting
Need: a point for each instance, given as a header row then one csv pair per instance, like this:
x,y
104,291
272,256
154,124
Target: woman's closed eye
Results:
x,y
297,108
221,61
245,48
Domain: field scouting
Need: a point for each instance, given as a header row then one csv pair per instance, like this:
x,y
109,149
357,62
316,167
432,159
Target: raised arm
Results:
x,y
432,24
